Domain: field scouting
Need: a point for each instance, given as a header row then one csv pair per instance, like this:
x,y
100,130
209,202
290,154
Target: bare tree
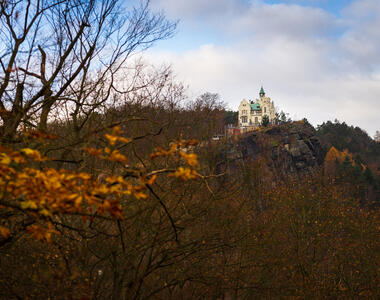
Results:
x,y
71,52
207,112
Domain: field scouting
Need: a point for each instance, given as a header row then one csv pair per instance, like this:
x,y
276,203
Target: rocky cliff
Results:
x,y
288,149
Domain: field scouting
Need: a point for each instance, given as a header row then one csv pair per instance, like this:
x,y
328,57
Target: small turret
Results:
x,y
262,93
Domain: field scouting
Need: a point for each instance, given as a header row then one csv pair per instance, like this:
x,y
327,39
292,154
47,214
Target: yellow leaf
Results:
x,y
184,173
35,154
140,195
29,151
117,157
18,159
28,204
111,138
78,201
93,151
5,159
159,152
84,176
45,213
152,179
124,140
191,158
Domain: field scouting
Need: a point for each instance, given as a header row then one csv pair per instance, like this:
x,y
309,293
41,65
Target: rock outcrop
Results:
x,y
288,149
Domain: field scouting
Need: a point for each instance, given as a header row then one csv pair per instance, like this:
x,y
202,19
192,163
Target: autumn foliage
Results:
x,y
43,192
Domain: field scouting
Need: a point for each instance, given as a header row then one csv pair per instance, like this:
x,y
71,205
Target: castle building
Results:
x,y
251,113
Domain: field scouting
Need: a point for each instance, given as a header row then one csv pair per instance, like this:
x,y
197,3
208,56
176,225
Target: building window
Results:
x,y
244,119
265,109
256,120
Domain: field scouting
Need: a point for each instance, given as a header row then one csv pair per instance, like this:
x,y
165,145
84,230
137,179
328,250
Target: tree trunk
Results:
x,y
11,121
46,108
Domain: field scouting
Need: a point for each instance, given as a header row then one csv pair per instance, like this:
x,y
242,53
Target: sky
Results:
x,y
316,59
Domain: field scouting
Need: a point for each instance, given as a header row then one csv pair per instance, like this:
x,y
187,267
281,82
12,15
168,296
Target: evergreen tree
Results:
x,y
265,121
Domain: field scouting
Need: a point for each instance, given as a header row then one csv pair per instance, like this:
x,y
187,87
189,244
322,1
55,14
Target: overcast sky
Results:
x,y
318,59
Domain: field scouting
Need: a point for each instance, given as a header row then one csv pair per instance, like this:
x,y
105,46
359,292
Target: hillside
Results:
x,y
342,136
246,218
353,139
296,150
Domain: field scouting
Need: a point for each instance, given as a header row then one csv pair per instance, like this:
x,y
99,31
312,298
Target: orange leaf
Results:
x,y
4,232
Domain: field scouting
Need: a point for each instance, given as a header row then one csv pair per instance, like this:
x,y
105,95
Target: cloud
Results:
x,y
240,17
360,43
195,9
312,64
363,8
293,21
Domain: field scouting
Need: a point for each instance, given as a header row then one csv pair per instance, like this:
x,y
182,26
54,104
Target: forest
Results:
x,y
112,188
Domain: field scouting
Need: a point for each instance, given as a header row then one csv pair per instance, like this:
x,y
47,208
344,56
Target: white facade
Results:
x,y
251,112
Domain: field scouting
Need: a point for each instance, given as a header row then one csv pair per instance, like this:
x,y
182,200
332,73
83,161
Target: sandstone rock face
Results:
x,y
297,152
248,147
287,150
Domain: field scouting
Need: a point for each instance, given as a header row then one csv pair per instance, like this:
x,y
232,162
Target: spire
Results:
x,y
262,93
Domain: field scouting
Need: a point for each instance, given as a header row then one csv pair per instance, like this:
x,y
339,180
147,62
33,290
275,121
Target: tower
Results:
x,y
262,93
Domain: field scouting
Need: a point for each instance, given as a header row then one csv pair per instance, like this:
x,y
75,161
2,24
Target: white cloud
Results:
x,y
363,8
186,9
294,51
284,20
360,44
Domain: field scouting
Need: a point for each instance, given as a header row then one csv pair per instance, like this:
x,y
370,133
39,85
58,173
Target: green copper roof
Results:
x,y
262,91
255,106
